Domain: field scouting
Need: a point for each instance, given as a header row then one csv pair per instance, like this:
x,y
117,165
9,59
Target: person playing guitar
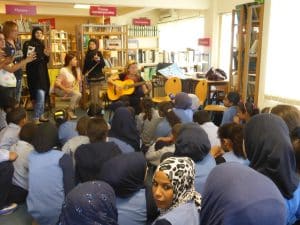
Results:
x,y
131,73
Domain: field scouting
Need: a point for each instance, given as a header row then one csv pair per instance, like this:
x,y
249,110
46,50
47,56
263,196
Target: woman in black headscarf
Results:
x,y
237,195
124,130
90,203
270,152
127,179
93,65
37,73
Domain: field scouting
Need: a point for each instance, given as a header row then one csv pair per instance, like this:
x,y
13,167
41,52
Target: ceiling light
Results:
x,y
81,6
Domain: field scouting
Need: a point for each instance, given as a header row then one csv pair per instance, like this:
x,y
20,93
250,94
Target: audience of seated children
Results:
x,y
23,148
161,146
127,179
6,174
237,195
51,176
245,111
165,110
174,192
203,119
90,203
192,141
89,158
16,119
72,144
231,101
271,153
147,121
66,127
124,131
231,149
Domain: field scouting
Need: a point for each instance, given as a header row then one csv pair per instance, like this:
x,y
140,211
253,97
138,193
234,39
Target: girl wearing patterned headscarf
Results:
x,y
90,203
174,192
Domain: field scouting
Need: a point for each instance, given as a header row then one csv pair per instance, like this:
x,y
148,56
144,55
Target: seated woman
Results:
x,y
124,131
235,194
89,203
131,72
51,176
89,158
231,136
127,179
192,141
67,83
271,153
174,192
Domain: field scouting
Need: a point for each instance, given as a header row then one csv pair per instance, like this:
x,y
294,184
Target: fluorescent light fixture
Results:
x,y
81,6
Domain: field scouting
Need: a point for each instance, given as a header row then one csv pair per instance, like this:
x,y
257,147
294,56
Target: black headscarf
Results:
x,y
90,203
192,141
125,173
123,127
270,151
238,195
34,30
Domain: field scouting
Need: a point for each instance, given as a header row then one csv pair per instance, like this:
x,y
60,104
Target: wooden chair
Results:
x,y
201,91
172,86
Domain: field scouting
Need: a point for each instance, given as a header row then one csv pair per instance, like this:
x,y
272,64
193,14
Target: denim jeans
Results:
x,y
19,89
39,104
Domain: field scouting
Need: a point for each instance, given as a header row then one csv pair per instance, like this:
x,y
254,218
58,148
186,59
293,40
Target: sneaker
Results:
x,y
72,115
36,121
8,209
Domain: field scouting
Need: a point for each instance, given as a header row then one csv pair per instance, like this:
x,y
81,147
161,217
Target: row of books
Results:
x,y
95,28
143,56
142,31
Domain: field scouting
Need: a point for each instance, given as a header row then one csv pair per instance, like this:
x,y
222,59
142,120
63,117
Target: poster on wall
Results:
x,y
50,21
102,11
28,10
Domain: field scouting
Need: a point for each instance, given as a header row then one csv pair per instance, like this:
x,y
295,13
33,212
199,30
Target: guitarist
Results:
x,y
131,72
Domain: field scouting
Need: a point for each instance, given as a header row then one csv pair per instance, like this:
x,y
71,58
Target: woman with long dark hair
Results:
x,y
67,83
37,73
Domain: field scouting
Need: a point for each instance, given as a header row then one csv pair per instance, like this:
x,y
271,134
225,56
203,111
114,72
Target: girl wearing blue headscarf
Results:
x,y
238,195
90,203
270,152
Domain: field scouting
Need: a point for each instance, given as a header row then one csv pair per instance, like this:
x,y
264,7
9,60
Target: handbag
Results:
x,y
7,79
215,74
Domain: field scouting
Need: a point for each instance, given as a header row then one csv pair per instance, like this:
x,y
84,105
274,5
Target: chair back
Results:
x,y
173,85
201,91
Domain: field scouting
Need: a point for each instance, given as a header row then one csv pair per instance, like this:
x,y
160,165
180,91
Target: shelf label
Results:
x,y
204,42
141,22
20,10
102,11
50,21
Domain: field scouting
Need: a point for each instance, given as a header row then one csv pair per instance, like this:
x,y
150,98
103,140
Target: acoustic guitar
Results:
x,y
127,88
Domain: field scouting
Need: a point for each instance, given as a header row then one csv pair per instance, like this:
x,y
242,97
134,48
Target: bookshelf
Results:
x,y
110,37
247,25
59,48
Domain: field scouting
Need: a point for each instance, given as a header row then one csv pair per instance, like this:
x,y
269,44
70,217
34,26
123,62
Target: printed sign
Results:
x,y
50,21
20,10
103,11
141,22
204,42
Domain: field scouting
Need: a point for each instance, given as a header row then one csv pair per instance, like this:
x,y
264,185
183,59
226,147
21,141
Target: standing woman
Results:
x,y
93,65
37,73
13,49
67,83
174,192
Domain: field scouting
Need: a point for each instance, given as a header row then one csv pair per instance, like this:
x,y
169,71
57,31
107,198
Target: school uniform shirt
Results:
x,y
212,131
124,147
231,157
51,177
228,115
4,155
66,131
23,149
163,128
147,127
153,155
9,136
238,195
